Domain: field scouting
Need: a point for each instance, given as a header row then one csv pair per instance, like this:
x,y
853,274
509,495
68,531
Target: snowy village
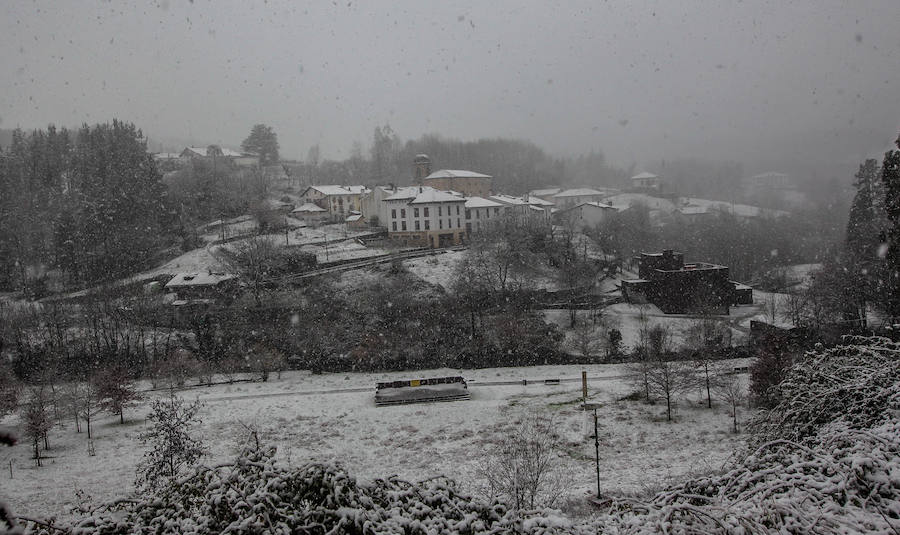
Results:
x,y
215,318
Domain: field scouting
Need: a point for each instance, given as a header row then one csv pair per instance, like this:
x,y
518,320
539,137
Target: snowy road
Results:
x,y
478,384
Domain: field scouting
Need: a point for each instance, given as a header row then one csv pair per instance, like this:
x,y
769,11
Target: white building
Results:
x,y
646,181
585,215
573,197
338,200
524,207
481,212
421,215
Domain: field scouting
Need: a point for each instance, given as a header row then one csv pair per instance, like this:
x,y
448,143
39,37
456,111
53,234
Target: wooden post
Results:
x,y
597,452
584,386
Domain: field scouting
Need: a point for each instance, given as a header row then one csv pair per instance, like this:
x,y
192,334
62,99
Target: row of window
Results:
x,y
425,212
427,224
487,213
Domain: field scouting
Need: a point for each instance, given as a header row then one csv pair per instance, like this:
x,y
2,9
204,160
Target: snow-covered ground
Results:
x,y
436,269
639,449
627,318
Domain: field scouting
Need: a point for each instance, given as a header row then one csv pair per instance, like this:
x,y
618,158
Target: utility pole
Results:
x,y
597,452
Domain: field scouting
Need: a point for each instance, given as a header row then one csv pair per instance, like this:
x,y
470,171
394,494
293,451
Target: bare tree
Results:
x,y
36,421
253,260
9,391
642,359
84,399
116,391
666,378
585,337
523,467
172,448
265,360
730,388
707,337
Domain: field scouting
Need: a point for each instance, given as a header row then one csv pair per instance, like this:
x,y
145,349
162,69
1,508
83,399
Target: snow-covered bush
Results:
x,y
255,494
856,382
825,460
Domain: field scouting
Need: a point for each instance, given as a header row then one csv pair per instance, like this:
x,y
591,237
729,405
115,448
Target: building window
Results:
x,y
426,211
403,213
427,223
394,214
440,211
487,213
468,227
468,214
458,225
457,209
477,214
417,224
415,212
394,225
440,223
497,211
403,223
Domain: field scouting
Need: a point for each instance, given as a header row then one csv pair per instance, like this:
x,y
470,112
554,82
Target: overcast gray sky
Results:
x,y
711,79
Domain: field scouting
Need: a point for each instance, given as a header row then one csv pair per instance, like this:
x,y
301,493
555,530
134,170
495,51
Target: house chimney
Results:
x,y
420,189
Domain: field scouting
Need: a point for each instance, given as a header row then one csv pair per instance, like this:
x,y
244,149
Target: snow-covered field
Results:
x,y
639,450
627,318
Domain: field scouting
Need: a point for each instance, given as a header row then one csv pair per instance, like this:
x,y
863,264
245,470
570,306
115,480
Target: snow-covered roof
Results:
x,y
202,151
335,189
538,201
424,194
407,192
578,192
166,155
507,199
644,175
626,200
207,278
481,202
456,173
598,204
432,195
546,191
307,208
693,206
353,218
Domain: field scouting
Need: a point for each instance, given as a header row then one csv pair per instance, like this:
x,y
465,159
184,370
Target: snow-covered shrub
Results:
x,y
856,382
255,494
825,460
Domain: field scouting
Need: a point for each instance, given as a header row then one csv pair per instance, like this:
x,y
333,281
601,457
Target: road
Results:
x,y
472,384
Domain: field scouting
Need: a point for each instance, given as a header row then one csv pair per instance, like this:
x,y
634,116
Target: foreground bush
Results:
x,y
825,460
256,495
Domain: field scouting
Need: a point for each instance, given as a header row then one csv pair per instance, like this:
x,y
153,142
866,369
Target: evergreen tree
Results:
x,y
862,266
263,142
890,282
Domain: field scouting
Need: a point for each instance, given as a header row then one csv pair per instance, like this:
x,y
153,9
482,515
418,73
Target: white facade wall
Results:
x,y
477,218
442,217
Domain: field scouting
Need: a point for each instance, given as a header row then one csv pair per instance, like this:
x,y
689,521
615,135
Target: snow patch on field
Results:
x,y
437,269
639,450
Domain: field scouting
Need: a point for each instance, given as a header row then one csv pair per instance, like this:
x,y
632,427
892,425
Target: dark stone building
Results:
x,y
679,288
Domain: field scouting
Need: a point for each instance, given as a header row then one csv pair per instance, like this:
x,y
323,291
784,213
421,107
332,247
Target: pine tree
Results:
x,y
263,142
890,282
861,263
